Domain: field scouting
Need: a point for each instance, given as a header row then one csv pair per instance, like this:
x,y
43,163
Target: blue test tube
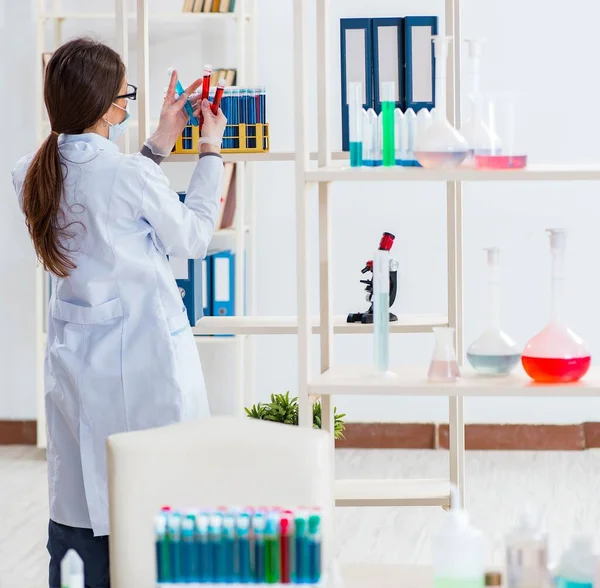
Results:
x,y
188,549
188,105
262,107
314,548
202,549
217,553
236,117
174,533
251,97
244,570
301,556
258,530
228,541
163,556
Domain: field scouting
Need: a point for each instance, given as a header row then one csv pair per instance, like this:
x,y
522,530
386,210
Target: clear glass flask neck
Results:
x,y
441,46
558,286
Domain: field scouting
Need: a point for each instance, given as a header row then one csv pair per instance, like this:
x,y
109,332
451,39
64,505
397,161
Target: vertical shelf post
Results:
x,y
143,71
302,192
454,251
325,237
122,47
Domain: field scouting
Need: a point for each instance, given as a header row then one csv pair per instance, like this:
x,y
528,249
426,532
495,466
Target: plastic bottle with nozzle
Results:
x,y
71,570
458,550
493,353
441,146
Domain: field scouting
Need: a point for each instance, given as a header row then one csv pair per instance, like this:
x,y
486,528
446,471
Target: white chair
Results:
x,y
220,461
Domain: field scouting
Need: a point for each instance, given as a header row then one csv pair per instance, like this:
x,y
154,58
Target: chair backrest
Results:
x,y
220,461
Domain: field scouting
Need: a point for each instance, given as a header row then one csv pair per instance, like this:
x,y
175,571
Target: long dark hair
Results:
x,y
81,81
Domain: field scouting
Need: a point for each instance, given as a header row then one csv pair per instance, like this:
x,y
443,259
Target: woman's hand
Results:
x,y
213,127
173,118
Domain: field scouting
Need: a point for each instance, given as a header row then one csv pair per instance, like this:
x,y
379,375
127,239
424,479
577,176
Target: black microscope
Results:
x,y
387,240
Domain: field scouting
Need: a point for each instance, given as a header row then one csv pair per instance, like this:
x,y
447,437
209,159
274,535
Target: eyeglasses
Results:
x,y
131,93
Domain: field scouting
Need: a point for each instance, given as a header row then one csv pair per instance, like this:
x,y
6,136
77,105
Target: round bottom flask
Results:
x,y
494,353
556,355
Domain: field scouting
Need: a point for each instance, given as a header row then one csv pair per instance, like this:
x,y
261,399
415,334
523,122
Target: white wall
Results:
x,y
536,48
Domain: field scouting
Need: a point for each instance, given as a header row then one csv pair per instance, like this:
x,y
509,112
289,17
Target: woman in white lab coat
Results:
x,y
120,354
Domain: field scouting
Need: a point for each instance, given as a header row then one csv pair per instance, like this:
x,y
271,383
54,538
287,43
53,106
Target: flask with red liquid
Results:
x,y
556,354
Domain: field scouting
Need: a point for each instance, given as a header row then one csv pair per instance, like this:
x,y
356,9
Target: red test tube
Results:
x,y
206,82
218,95
287,546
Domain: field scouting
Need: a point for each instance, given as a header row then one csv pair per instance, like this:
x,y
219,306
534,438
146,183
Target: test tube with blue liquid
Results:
x,y
314,548
381,311
216,547
228,540
244,571
188,105
188,549
203,548
301,554
174,539
258,530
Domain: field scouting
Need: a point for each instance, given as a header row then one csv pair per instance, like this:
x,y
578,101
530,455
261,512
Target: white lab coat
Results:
x,y
120,354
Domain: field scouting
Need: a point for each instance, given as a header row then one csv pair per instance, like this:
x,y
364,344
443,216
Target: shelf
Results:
x,y
435,492
412,381
223,240
270,156
339,173
288,325
164,17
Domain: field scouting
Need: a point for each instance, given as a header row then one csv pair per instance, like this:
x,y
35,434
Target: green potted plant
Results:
x,y
283,409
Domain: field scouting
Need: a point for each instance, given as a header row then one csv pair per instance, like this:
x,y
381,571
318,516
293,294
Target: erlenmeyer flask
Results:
x,y
443,366
441,145
493,353
556,354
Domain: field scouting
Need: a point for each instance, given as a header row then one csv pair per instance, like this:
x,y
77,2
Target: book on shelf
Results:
x,y
228,74
208,5
228,198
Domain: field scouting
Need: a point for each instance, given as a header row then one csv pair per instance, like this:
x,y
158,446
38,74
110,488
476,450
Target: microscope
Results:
x,y
387,240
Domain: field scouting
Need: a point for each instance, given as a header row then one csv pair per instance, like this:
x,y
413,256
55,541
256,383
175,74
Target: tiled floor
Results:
x,y
565,486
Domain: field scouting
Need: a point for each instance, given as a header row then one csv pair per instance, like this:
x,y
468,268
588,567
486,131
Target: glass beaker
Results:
x,y
493,353
506,149
355,122
443,366
441,145
556,354
475,129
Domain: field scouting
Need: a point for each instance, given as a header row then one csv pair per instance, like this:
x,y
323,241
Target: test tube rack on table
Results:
x,y
238,138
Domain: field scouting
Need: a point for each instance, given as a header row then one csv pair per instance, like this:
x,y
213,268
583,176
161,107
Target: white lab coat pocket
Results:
x,y
188,369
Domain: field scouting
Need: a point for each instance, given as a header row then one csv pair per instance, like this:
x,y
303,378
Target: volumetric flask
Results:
x,y
440,145
506,149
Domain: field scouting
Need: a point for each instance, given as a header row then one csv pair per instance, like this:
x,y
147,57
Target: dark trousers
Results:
x,y
92,550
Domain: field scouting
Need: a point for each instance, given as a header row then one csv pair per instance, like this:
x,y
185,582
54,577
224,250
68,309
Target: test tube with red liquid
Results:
x,y
218,95
206,81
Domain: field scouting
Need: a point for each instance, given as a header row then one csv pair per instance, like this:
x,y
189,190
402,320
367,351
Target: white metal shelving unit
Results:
x,y
407,381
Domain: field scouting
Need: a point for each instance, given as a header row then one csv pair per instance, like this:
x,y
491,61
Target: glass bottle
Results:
x,y
493,353
443,367
556,354
441,145
527,554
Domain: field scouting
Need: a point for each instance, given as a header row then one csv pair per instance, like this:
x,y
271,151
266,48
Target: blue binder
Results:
x,y
356,52
223,283
188,275
419,81
388,58
206,287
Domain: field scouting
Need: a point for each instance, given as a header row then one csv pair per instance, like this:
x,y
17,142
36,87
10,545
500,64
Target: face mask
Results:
x,y
116,130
